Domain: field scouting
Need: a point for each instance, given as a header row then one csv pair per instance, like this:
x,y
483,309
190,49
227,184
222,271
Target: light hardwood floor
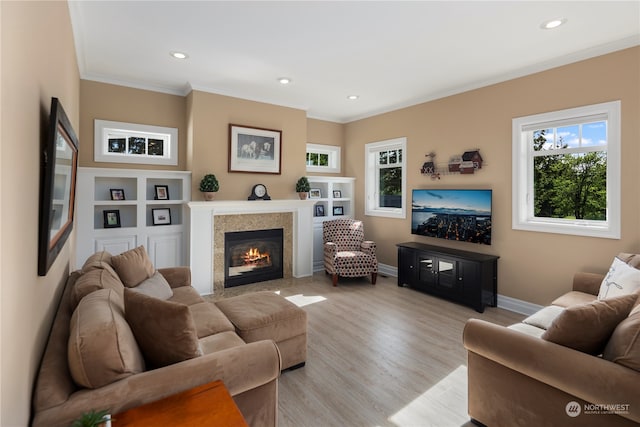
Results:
x,y
377,355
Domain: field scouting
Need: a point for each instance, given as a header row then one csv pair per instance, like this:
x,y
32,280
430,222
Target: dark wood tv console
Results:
x,y
468,278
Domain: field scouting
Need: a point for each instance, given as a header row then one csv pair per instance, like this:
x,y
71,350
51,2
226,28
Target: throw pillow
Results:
x,y
587,327
622,279
156,286
133,266
94,280
165,330
624,345
101,347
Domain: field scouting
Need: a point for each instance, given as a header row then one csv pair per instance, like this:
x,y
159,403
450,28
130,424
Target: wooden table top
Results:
x,y
206,405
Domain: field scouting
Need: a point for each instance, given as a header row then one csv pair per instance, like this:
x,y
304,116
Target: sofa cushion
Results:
x,y
544,317
94,280
186,295
525,328
573,298
587,327
155,286
101,347
622,279
209,319
221,341
624,345
133,266
165,330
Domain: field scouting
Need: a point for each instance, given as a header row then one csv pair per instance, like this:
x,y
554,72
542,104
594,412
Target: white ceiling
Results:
x,y
392,54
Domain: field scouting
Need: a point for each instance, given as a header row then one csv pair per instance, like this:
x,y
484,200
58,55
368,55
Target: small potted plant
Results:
x,y
303,187
209,186
93,419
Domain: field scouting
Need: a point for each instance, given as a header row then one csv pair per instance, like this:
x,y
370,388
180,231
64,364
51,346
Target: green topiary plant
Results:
x,y
209,183
302,186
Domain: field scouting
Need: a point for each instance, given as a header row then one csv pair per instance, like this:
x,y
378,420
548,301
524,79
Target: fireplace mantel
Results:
x,y
202,223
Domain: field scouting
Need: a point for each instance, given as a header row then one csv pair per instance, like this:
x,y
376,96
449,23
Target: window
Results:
x,y
133,143
323,158
385,178
566,171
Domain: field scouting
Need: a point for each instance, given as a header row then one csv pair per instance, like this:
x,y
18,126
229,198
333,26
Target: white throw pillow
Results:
x,y
622,279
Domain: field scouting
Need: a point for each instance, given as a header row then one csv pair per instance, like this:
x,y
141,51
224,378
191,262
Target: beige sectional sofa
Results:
x,y
115,345
574,363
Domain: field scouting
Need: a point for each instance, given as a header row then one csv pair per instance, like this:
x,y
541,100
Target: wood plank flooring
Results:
x,y
377,355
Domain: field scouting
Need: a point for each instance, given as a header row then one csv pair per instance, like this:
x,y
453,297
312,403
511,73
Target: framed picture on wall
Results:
x,y
338,210
319,210
254,150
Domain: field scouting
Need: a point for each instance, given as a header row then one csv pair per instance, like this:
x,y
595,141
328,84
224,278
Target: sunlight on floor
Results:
x,y
302,300
446,400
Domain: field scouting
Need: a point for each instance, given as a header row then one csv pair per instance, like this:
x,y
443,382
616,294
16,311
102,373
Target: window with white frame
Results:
x,y
120,142
566,171
385,178
323,158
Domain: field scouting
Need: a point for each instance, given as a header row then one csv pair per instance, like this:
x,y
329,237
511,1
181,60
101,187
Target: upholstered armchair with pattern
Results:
x,y
346,253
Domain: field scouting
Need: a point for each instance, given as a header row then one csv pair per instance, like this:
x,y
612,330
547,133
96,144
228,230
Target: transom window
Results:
x,y
120,142
566,171
385,182
323,158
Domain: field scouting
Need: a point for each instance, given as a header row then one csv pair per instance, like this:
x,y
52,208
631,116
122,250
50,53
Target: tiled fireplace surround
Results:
x,y
210,220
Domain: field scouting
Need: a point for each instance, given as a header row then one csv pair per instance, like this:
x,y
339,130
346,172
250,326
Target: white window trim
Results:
x,y
334,153
522,176
370,183
101,143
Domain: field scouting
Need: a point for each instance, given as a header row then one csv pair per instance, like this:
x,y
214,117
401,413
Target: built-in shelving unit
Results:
x,y
329,206
167,244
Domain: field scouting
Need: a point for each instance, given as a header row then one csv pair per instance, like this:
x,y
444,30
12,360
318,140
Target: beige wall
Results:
x,y
534,267
327,133
38,62
209,122
122,104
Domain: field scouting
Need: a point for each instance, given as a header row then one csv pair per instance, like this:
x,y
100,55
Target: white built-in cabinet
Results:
x,y
332,206
167,243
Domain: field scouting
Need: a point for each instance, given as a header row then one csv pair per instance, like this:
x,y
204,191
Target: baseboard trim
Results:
x,y
517,305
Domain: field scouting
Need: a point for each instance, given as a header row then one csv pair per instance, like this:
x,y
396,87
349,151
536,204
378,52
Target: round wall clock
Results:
x,y
259,192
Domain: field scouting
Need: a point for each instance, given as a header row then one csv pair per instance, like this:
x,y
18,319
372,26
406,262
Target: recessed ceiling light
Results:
x,y
353,97
284,80
179,55
553,23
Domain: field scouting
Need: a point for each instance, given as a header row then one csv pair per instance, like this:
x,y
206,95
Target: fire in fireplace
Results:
x,y
252,256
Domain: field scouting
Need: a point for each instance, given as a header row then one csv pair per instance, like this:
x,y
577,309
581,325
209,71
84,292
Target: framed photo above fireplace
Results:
x,y
254,150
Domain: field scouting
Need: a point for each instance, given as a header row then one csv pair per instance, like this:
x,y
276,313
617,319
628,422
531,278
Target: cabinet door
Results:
x,y
447,272
406,266
426,271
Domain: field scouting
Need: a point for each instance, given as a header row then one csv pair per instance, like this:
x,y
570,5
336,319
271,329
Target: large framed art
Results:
x,y
255,150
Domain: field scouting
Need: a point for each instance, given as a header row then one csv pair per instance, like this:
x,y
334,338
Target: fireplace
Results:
x,y
252,256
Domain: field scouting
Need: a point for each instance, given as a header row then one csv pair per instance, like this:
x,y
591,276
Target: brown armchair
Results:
x,y
346,253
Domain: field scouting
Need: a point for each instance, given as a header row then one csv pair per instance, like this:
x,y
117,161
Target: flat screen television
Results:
x,y
463,215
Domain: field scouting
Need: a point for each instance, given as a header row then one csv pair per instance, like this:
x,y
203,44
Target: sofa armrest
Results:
x,y
587,282
177,276
241,369
330,249
590,378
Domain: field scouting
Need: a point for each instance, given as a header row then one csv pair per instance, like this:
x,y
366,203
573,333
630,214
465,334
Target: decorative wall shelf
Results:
x,y
466,164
